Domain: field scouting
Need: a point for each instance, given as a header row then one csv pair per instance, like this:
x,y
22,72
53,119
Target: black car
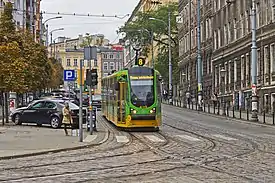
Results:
x,y
45,112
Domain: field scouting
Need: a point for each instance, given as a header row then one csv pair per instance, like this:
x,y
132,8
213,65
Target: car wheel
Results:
x,y
55,122
17,119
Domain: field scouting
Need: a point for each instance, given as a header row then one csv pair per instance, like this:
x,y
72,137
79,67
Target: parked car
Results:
x,y
45,111
97,101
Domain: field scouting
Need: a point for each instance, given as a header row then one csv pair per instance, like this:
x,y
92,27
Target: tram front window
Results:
x,y
142,92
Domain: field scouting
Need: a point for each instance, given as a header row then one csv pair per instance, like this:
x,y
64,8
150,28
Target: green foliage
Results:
x,y
24,63
91,40
136,31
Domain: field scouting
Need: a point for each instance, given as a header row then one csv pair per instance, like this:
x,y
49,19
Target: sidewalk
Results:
x,y
241,116
20,141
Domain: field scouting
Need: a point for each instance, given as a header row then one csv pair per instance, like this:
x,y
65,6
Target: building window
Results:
x,y
68,62
229,32
266,62
242,69
111,56
247,69
215,40
258,14
105,66
242,25
219,37
192,37
105,56
75,62
272,58
225,34
95,63
82,62
235,29
259,65
89,63
112,66
273,12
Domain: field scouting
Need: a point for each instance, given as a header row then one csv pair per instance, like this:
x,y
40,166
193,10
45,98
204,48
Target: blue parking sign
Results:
x,y
69,75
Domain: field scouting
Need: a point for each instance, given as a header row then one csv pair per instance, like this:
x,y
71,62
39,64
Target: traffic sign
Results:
x,y
141,61
69,75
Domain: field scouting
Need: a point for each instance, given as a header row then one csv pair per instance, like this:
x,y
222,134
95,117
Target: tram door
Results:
x,y
121,102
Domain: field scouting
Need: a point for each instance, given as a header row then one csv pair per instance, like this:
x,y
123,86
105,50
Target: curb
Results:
x,y
57,150
225,117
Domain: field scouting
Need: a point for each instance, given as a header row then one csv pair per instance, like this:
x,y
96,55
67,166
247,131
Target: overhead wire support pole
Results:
x,y
81,105
254,101
91,102
199,59
170,59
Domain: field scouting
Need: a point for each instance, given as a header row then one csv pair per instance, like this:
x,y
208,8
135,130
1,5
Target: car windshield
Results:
x,y
97,97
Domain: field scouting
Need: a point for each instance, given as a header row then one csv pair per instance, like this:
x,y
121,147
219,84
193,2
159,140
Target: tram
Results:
x,y
131,98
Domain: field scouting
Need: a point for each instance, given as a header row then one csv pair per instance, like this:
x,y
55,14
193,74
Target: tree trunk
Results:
x,y
2,105
6,107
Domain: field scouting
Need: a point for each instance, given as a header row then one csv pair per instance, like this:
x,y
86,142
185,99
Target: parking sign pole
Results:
x,y
90,103
80,106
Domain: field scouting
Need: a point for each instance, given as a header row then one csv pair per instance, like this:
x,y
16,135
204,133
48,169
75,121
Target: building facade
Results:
x,y
112,60
188,48
26,15
226,37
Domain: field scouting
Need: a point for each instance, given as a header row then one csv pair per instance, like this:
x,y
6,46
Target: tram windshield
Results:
x,y
142,87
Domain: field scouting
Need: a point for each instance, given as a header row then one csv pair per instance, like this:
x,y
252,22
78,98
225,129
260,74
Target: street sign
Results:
x,y
69,75
90,53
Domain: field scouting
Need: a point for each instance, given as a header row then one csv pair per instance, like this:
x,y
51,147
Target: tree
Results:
x,y
56,74
91,40
138,30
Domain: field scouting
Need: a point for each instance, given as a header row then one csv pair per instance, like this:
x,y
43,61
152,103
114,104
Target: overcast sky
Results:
x,y
75,25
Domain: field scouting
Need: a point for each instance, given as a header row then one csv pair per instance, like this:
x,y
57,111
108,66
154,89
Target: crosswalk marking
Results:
x,y
90,138
122,139
154,138
223,137
190,138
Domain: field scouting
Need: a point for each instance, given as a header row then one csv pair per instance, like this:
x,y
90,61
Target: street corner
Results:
x,y
30,140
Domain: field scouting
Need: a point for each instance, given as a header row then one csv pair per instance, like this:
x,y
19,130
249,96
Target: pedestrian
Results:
x,y
67,118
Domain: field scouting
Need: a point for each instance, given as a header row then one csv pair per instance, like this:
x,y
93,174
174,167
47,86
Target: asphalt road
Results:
x,y
190,147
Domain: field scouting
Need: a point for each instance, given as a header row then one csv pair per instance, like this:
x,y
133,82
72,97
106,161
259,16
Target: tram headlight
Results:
x,y
153,110
133,111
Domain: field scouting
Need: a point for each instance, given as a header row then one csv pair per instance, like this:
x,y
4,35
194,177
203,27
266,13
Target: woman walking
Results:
x,y
67,118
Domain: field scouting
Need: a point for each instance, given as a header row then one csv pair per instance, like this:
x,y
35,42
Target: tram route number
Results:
x,y
141,61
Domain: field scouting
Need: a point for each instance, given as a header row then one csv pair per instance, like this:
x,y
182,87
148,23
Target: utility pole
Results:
x,y
41,27
152,42
51,44
170,59
254,101
199,62
80,106
91,103
47,35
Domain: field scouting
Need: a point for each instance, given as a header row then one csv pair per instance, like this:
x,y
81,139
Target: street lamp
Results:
x,y
170,55
223,72
51,33
47,30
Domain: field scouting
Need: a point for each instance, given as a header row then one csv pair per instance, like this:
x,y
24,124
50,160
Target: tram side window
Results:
x,y
158,86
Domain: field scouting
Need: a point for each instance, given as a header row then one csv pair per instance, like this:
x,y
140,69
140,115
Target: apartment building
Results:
x,y
188,47
226,30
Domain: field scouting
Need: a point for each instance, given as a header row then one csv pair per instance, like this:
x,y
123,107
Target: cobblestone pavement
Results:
x,y
190,147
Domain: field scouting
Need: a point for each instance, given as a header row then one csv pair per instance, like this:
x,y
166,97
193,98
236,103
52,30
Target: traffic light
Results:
x,y
91,77
94,77
85,86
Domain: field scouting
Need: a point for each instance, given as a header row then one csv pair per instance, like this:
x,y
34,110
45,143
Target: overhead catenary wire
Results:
x,y
74,14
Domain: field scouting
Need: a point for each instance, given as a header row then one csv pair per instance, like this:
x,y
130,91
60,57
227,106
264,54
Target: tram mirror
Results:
x,y
116,86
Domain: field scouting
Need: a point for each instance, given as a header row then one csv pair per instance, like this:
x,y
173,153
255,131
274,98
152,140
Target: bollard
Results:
x,y
204,107
227,111
196,106
192,106
208,108
218,110
214,109
233,112
189,105
180,104
240,113
273,115
247,114
264,117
